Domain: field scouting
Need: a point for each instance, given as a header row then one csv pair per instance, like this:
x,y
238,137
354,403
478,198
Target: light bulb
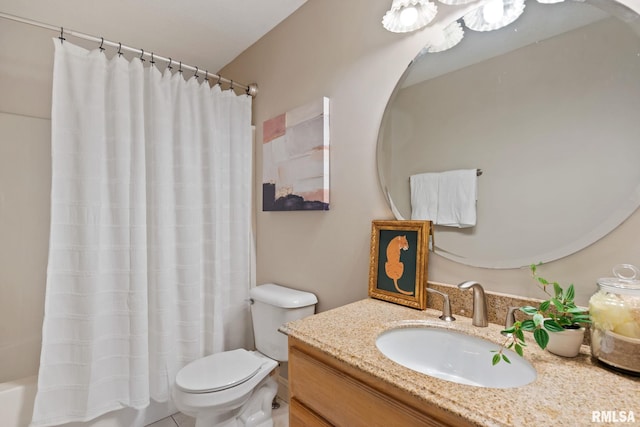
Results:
x,y
493,11
408,16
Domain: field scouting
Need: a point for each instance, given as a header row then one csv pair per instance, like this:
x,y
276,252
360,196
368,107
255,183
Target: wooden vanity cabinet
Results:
x,y
327,392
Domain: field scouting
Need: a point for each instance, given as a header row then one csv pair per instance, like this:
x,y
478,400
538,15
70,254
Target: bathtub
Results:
x,y
16,406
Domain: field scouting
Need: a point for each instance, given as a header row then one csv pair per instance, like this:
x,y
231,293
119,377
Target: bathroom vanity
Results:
x,y
337,376
326,392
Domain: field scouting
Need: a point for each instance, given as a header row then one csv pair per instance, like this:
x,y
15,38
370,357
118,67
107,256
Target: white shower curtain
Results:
x,y
150,245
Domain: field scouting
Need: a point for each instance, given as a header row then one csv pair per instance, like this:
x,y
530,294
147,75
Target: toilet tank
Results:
x,y
272,306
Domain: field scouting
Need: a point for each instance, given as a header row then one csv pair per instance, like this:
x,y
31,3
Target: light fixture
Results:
x,y
409,15
451,35
487,20
493,11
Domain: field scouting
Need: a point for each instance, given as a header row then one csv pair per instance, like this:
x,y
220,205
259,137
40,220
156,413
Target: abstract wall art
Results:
x,y
295,159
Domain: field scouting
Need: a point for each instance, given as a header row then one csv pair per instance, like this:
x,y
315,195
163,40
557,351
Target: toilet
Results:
x,y
234,388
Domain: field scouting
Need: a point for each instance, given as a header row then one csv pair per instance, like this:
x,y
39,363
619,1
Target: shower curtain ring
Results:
x,y
180,69
141,55
196,73
101,44
231,85
152,61
218,82
169,66
119,49
206,75
62,39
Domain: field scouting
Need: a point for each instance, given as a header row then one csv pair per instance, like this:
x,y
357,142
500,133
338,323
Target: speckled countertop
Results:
x,y
565,392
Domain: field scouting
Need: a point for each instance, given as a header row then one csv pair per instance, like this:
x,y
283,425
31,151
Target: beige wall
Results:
x,y
339,49
335,49
25,183
25,167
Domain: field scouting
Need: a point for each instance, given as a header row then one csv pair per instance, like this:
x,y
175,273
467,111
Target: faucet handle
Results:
x,y
510,319
446,305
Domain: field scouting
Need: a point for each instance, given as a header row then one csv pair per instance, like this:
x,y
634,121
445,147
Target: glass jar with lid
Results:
x,y
615,313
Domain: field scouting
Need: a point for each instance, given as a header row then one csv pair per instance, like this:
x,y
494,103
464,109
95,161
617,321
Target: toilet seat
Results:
x,y
219,371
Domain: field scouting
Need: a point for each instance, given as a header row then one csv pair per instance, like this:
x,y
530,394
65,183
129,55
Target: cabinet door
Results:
x,y
341,400
301,416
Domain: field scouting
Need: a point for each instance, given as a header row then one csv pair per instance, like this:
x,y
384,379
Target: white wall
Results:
x,y
339,49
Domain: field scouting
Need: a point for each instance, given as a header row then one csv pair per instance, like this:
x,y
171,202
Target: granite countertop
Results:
x,y
565,392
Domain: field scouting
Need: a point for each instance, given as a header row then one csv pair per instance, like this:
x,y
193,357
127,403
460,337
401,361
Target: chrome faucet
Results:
x,y
479,317
446,305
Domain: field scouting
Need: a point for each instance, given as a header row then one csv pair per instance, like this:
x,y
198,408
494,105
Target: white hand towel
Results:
x,y
424,196
457,195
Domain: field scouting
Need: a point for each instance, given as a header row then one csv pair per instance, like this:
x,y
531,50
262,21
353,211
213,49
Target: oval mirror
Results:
x,y
548,108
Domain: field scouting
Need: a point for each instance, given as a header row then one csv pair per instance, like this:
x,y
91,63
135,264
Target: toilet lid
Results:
x,y
218,371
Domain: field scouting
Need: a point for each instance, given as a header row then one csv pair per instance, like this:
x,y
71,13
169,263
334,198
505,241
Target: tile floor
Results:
x,y
280,418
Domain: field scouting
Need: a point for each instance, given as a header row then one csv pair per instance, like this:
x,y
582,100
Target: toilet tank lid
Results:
x,y
279,296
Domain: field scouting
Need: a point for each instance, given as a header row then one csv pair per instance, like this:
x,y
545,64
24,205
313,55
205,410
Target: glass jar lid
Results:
x,y
626,280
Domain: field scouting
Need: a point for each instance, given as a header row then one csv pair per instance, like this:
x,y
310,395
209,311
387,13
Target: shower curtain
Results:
x,y
150,242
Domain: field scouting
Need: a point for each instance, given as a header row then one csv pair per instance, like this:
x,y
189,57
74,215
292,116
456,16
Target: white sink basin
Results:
x,y
454,356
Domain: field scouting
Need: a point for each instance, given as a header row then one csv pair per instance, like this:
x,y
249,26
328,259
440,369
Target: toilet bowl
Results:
x,y
216,390
236,388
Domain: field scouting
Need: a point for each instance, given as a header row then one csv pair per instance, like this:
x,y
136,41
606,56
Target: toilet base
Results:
x,y
256,412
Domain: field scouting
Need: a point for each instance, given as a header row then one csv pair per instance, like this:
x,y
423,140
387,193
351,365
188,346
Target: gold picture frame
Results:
x,y
398,262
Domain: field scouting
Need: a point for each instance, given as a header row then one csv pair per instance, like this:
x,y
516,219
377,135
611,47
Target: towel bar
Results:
x,y
478,172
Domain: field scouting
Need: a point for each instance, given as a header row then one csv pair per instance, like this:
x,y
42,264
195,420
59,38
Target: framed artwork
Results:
x,y
398,262
295,159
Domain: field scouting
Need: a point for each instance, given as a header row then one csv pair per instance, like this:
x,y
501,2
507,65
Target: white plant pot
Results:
x,y
566,343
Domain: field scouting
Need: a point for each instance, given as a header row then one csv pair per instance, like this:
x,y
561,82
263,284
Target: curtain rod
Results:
x,y
251,89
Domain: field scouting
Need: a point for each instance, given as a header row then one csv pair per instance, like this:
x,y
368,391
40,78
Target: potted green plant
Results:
x,y
555,323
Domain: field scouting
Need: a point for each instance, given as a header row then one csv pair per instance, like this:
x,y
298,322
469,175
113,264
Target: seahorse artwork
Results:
x,y
393,267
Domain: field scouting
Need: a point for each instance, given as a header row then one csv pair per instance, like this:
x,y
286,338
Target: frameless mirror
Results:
x,y
549,108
